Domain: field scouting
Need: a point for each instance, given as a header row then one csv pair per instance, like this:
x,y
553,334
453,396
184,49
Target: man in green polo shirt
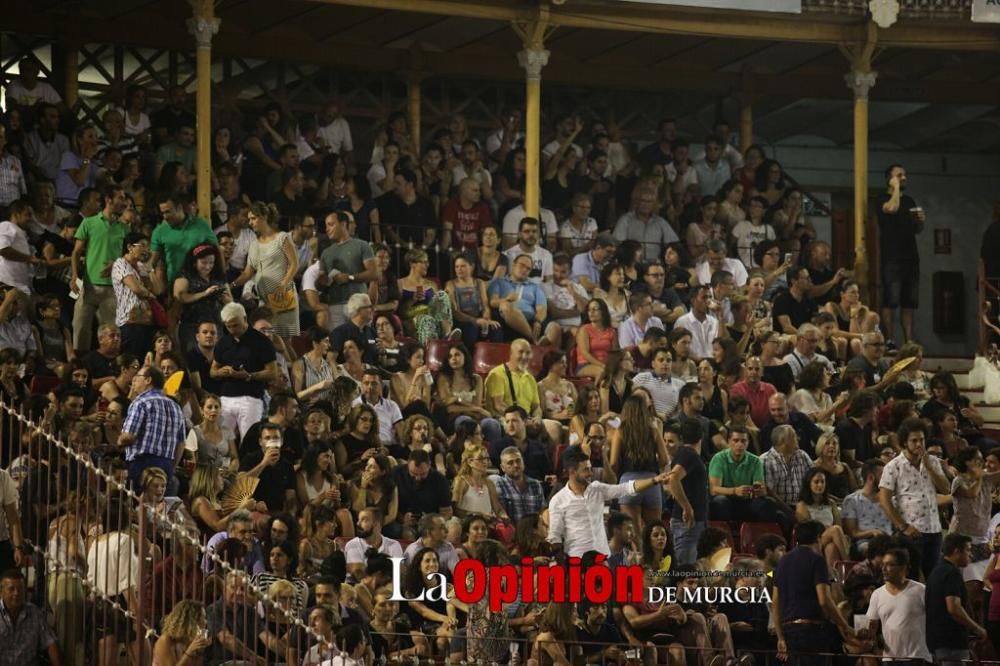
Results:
x,y
99,241
736,483
175,236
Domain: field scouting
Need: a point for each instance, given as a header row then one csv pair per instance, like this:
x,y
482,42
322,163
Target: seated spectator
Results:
x,y
614,293
807,431
595,340
520,494
870,565
387,409
386,344
369,540
470,304
424,313
490,261
410,388
416,433
431,535
749,233
537,461
691,401
475,532
528,244
473,493
716,261
679,344
587,265
661,387
855,431
840,478
511,384
358,329
812,398
666,302
770,548
806,340
863,517
239,526
458,389
312,376
522,305
466,214
643,225
793,308
756,392
736,483
376,489
567,300
615,383
703,325
422,489
558,394
853,319
632,330
815,503
703,228
785,468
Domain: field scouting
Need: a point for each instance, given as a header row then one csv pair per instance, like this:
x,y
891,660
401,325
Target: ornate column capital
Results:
x,y
203,30
860,83
533,60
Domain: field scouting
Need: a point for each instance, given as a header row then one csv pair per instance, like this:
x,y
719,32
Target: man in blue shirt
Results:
x,y
153,430
522,305
587,265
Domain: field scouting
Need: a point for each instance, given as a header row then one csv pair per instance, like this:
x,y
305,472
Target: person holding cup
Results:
x,y
900,219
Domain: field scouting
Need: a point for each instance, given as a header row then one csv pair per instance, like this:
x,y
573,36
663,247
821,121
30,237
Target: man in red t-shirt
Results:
x,y
464,216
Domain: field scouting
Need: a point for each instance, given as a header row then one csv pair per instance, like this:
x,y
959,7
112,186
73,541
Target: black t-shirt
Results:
x,y
822,276
799,312
252,353
854,438
942,629
98,365
197,362
695,483
167,119
873,373
274,480
708,430
780,377
409,220
898,233
796,578
291,207
293,443
364,337
420,497
807,431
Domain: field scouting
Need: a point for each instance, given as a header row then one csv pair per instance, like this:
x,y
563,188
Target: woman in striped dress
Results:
x,y
273,262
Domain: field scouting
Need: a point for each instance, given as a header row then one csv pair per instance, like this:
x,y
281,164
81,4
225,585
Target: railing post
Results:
x,y
140,609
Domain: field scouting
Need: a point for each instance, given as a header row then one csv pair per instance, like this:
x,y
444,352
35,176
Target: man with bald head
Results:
x,y
807,337
806,431
464,216
785,467
756,391
872,363
514,375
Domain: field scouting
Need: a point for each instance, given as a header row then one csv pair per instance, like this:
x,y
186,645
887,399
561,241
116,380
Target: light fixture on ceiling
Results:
x,y
884,12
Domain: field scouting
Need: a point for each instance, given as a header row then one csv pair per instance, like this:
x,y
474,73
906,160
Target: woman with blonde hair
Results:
x,y
472,491
203,494
183,637
272,263
840,479
638,452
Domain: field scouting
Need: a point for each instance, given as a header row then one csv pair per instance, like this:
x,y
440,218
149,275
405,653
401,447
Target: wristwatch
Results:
x,y
351,278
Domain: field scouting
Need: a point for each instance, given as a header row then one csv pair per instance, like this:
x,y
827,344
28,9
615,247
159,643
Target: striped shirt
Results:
x,y
126,298
12,184
157,423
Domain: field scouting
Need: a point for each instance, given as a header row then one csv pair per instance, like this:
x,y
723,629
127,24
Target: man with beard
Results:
x,y
899,222
369,536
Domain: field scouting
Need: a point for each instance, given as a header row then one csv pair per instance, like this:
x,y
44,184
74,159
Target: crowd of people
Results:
x,y
398,362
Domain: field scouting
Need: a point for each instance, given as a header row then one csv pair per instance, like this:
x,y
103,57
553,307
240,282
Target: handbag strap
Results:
x,y
510,383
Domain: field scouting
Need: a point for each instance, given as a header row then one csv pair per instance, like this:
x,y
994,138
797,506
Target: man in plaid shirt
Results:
x,y
518,492
153,430
785,467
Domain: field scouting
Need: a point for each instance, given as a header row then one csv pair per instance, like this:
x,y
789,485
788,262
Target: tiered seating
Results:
x,y
750,532
488,355
436,354
725,527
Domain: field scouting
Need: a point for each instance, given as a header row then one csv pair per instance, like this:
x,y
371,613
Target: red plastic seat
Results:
x,y
436,353
725,527
538,353
750,532
843,568
300,344
488,355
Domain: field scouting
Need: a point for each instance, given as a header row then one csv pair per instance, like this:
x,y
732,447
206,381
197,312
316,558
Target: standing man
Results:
x,y
349,263
175,236
244,364
17,260
12,182
154,428
527,244
896,611
802,605
99,240
688,484
576,513
948,623
899,222
908,493
704,326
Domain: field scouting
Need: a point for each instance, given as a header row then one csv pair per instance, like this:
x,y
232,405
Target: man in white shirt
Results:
x,y
541,259
238,224
805,351
506,138
386,409
908,492
660,384
703,325
471,166
381,176
730,153
26,90
565,126
716,260
335,132
512,219
16,258
369,535
896,611
576,513
567,300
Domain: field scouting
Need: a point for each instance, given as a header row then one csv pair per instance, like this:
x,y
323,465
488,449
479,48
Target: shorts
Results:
x,y
900,286
648,498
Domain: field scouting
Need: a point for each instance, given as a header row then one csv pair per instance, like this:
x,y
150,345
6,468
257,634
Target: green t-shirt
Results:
x,y
175,242
104,240
732,473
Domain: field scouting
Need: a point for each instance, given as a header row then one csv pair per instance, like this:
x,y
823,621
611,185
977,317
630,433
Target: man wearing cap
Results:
x,y
587,265
244,364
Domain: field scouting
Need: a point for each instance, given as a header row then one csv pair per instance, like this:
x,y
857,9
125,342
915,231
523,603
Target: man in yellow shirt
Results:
x,y
512,384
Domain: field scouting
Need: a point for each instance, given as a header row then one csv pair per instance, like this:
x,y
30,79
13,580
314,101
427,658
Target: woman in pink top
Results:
x,y
594,340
